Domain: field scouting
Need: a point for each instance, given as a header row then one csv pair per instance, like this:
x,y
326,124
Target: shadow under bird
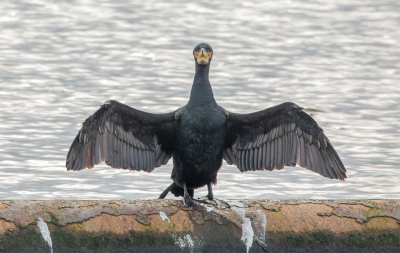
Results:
x,y
199,135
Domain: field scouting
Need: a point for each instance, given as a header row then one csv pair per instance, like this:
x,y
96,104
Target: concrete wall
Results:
x,y
167,226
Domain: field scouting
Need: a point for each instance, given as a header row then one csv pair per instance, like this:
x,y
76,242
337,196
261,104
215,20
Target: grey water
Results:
x,y
59,60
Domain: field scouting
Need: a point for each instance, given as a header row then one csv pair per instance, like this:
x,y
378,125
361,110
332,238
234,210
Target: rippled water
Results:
x,y
59,60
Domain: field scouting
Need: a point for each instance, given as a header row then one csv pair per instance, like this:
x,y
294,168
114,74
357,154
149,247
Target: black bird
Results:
x,y
199,135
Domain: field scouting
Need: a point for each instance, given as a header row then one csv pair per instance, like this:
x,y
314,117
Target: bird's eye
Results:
x,y
208,50
198,49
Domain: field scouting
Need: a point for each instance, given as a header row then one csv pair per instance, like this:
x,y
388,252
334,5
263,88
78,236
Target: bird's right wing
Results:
x,y
123,137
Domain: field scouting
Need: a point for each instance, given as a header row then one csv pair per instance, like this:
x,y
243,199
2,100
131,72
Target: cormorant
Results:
x,y
199,135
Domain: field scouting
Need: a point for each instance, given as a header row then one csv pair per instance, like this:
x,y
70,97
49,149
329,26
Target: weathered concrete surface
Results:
x,y
167,226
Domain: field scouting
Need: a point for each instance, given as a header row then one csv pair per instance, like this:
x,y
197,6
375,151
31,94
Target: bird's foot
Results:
x,y
222,203
189,201
214,201
207,200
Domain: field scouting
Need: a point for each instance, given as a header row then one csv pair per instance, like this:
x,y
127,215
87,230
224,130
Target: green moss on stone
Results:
x,y
322,237
77,227
351,240
299,240
358,240
92,242
22,238
54,219
62,237
147,228
134,239
150,239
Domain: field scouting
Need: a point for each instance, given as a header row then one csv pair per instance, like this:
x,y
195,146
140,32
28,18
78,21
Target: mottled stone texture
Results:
x,y
136,225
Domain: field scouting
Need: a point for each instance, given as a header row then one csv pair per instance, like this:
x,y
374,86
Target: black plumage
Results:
x,y
199,135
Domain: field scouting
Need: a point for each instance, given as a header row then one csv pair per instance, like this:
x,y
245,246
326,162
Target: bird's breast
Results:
x,y
200,140
202,121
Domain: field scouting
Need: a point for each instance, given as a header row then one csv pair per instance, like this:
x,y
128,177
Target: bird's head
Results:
x,y
203,53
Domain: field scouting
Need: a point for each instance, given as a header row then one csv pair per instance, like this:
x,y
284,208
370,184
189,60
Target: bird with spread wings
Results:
x,y
199,136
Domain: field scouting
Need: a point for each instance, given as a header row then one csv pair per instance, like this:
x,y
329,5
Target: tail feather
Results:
x,y
176,190
165,192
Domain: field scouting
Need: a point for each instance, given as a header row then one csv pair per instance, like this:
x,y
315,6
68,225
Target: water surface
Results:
x,y
59,60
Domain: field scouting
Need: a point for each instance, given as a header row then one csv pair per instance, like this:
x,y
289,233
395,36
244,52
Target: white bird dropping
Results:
x,y
45,232
164,216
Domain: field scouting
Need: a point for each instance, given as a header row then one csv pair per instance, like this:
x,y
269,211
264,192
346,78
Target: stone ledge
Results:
x,y
167,226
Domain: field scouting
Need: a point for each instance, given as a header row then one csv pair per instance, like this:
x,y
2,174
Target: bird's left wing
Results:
x,y
123,137
280,136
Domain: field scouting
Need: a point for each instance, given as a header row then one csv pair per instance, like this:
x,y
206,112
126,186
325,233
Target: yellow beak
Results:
x,y
202,53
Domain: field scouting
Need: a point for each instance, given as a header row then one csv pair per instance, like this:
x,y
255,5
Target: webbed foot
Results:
x,y
189,201
221,202
214,201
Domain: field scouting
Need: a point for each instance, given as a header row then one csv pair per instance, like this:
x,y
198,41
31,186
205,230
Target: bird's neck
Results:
x,y
201,94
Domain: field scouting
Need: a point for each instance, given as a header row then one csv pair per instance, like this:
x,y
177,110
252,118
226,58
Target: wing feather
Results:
x,y
260,157
132,158
284,149
243,160
280,136
303,156
251,159
230,155
310,157
239,160
162,157
124,138
269,156
127,156
255,159
280,154
294,141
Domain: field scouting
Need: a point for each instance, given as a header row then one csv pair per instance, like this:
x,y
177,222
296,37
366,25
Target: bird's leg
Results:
x,y
187,200
218,202
212,200
210,195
